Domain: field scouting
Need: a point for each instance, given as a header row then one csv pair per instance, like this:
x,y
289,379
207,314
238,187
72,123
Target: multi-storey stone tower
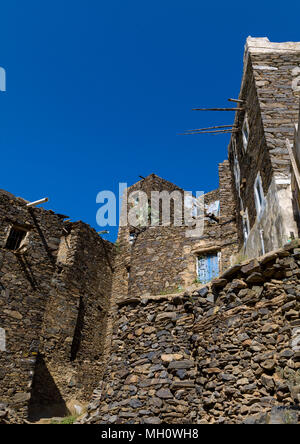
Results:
x,y
155,259
269,102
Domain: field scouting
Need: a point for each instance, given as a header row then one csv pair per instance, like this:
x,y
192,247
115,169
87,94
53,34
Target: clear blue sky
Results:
x,y
98,90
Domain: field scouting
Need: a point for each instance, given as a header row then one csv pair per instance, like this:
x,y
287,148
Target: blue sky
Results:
x,y
97,92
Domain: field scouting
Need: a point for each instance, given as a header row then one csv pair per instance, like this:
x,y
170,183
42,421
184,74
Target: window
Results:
x,y
258,194
135,197
236,166
15,238
213,209
246,225
132,237
237,174
208,267
197,210
245,132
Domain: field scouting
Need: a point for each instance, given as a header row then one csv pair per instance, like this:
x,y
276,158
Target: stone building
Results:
x,y
164,258
61,282
295,179
55,287
258,154
222,353
122,325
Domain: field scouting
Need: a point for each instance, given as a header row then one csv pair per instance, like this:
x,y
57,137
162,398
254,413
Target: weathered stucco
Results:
x,y
275,224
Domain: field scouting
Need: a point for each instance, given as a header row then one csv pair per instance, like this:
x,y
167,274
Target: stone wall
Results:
x,y
163,258
226,352
25,281
74,328
55,293
271,104
228,216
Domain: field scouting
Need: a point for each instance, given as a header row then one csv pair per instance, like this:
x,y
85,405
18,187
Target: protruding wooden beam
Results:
x,y
236,100
37,202
218,109
210,132
211,127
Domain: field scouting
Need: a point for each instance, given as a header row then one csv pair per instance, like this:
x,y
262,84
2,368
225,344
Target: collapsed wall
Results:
x,y
221,353
55,288
25,282
70,359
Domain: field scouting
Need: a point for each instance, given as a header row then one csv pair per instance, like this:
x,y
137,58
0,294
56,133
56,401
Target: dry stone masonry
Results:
x,y
258,153
161,327
223,353
54,298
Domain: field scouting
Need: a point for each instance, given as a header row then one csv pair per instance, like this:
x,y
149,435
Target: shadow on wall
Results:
x,y
78,330
46,400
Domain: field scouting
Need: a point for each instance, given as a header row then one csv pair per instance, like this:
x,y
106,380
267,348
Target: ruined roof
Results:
x,y
154,178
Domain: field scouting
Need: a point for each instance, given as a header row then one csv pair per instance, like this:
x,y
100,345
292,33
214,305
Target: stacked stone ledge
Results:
x,y
219,353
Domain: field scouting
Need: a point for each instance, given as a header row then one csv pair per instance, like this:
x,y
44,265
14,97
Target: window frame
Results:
x,y
259,196
244,136
204,254
246,225
9,242
131,237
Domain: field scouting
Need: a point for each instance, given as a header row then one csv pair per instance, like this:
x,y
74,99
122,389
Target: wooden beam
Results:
x,y
209,132
37,202
218,109
236,100
293,161
211,127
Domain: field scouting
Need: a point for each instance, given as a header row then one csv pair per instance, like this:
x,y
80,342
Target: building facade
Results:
x,y
55,287
258,153
62,287
165,258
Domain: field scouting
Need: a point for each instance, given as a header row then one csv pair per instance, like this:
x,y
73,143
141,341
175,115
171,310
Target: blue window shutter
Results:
x,y
208,267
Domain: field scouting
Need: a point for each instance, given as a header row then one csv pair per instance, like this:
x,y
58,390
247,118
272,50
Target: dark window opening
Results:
x,y
132,237
260,198
15,238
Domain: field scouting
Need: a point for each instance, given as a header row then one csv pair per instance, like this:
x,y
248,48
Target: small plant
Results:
x,y
179,289
118,247
67,420
192,299
288,417
239,258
